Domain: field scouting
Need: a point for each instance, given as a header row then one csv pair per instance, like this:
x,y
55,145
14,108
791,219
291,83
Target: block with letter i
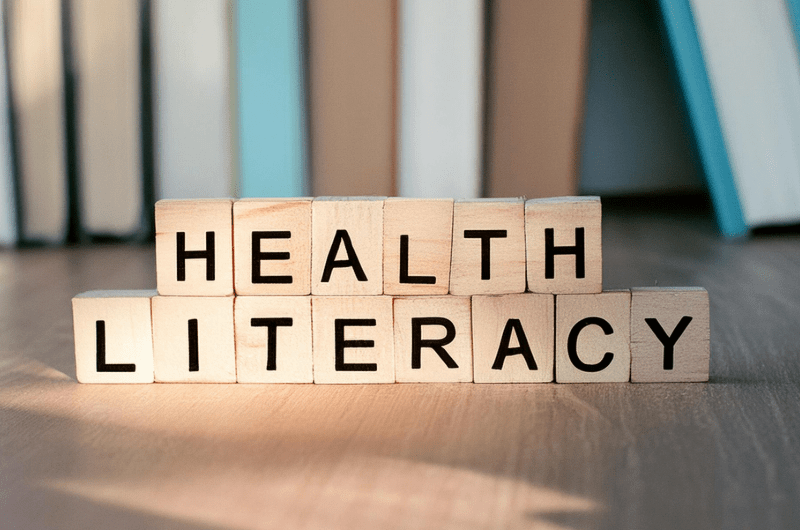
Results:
x,y
194,250
432,339
272,246
353,340
512,338
669,334
488,247
113,336
418,238
273,339
193,339
564,245
347,246
593,338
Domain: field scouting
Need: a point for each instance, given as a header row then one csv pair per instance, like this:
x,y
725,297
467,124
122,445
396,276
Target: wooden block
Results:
x,y
669,334
593,337
113,337
417,243
513,337
347,243
272,246
564,245
353,339
193,339
433,339
488,247
273,339
194,250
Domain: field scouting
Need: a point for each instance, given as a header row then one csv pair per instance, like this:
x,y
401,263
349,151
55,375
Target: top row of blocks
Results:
x,y
377,245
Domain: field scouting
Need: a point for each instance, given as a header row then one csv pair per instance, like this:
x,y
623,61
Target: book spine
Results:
x,y
271,118
8,210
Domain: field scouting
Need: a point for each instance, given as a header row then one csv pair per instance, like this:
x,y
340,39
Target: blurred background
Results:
x,y
110,105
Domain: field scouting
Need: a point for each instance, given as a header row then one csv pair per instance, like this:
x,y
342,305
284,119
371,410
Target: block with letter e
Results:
x,y
593,337
113,336
194,250
564,245
513,338
353,341
272,246
669,334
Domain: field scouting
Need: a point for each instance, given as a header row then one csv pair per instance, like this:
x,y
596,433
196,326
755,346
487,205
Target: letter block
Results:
x,y
272,246
193,339
432,339
113,336
669,334
593,337
347,246
488,247
418,237
564,245
194,250
353,340
273,339
513,338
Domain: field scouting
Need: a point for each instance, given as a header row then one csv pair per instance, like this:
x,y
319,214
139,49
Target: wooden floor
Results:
x,y
722,454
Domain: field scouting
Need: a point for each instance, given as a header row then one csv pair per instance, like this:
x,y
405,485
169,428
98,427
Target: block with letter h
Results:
x,y
382,290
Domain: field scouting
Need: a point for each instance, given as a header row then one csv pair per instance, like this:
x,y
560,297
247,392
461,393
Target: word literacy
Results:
x,y
384,290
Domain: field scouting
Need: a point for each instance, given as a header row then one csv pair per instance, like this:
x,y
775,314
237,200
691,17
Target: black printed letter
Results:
x,y
340,237
550,251
272,336
207,254
404,277
668,341
485,236
523,349
341,344
572,343
258,256
436,345
102,366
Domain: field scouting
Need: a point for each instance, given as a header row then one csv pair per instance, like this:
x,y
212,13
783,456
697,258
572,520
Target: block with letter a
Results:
x,y
513,338
347,246
113,338
193,339
272,246
273,339
418,237
432,339
669,334
353,340
488,247
564,245
593,339
194,250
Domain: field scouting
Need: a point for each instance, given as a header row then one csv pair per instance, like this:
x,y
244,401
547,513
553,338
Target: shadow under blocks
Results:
x,y
355,290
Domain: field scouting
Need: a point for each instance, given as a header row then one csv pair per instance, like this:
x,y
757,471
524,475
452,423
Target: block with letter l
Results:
x,y
113,336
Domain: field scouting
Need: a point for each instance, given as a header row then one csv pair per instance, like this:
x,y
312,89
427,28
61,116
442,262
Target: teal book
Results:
x,y
271,98
697,93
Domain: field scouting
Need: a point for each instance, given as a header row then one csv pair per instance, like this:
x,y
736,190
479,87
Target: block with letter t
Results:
x,y
564,245
113,336
194,249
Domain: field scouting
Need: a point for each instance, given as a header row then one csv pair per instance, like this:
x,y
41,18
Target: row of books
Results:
x,y
116,104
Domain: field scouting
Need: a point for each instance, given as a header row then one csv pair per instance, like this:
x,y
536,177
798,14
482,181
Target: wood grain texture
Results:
x,y
488,247
658,456
437,330
193,339
196,219
288,320
513,338
428,225
285,226
669,334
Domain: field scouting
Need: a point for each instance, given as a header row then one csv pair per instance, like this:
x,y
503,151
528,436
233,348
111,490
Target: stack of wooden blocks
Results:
x,y
384,290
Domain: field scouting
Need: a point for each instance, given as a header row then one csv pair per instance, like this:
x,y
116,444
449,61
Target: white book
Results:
x,y
8,219
193,139
754,72
105,39
37,85
441,102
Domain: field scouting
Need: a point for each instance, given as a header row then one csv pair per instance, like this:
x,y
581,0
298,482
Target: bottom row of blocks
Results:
x,y
640,335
